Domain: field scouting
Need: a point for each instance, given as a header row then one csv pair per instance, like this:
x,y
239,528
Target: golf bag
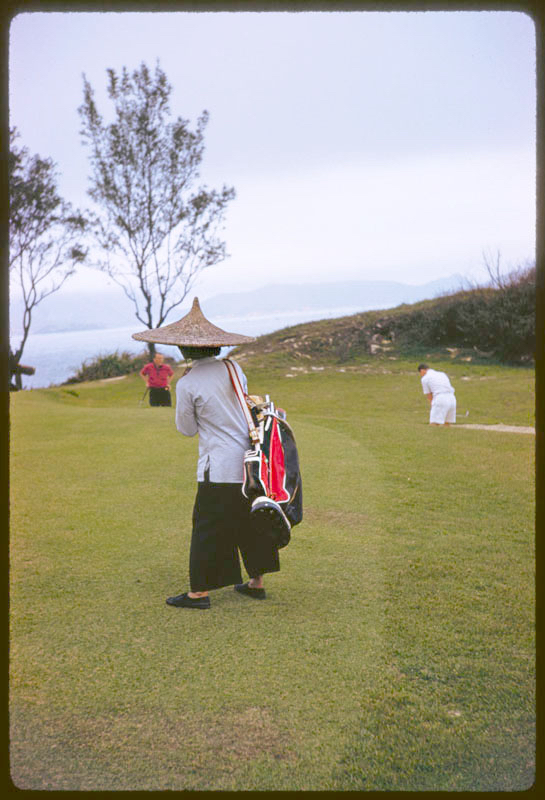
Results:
x,y
272,478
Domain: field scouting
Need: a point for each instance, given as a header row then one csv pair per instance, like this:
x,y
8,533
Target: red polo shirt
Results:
x,y
157,376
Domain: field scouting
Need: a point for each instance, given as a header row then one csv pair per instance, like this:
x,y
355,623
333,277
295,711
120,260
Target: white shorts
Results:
x,y
443,408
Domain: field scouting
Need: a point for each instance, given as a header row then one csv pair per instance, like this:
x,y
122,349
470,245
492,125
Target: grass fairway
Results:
x,y
395,650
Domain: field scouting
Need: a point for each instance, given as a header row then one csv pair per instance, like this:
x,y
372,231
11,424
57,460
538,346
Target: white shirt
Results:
x,y
206,404
436,382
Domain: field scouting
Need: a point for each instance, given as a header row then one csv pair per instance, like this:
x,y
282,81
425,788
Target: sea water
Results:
x,y
57,356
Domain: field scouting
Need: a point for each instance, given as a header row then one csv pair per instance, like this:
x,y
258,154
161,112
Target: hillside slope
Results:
x,y
495,323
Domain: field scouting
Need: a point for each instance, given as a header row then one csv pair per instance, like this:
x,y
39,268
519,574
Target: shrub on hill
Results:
x,y
111,365
495,322
499,320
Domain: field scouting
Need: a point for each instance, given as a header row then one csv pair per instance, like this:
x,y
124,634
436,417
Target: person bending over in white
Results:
x,y
439,391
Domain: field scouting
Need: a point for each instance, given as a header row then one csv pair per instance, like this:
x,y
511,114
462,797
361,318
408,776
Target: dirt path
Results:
x,y
502,428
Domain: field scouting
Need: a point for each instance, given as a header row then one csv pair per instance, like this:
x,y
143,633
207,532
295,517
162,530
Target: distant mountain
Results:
x,y
78,311
110,308
362,295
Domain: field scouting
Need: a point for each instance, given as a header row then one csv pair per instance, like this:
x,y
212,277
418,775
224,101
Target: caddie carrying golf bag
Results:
x,y
272,478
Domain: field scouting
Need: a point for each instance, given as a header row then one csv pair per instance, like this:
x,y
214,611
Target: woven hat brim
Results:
x,y
181,338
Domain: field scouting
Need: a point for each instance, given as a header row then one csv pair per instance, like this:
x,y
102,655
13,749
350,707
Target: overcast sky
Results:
x,y
362,145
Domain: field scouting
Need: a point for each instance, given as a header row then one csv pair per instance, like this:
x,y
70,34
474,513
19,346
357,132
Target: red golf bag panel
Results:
x,y
275,463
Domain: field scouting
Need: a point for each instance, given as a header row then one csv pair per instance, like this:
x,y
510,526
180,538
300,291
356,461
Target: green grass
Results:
x,y
395,650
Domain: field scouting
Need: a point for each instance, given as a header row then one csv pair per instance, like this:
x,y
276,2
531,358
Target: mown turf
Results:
x,y
395,650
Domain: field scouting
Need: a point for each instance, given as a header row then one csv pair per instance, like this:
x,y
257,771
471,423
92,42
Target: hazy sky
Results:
x,y
362,145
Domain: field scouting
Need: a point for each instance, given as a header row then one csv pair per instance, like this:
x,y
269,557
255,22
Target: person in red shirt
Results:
x,y
158,376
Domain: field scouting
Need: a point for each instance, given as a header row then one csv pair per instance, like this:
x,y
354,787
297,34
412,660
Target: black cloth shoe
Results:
x,y
185,601
251,591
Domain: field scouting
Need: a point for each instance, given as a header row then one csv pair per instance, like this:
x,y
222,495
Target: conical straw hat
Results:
x,y
193,330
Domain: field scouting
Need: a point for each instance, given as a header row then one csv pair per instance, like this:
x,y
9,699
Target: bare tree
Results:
x,y
155,229
492,262
44,237
502,280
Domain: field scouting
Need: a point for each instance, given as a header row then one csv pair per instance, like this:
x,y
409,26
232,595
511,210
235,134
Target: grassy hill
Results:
x,y
395,650
478,325
484,325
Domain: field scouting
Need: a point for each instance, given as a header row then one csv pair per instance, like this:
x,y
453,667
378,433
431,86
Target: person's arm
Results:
x,y
169,376
242,377
186,421
426,389
144,374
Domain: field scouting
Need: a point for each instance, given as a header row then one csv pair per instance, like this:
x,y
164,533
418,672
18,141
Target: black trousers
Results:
x,y
222,526
159,396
